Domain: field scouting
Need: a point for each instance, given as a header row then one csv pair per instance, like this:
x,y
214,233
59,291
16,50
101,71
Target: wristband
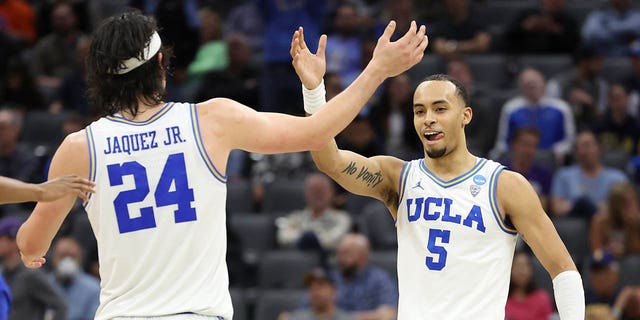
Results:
x,y
569,294
314,99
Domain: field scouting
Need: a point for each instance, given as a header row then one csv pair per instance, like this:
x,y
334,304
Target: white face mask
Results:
x,y
67,268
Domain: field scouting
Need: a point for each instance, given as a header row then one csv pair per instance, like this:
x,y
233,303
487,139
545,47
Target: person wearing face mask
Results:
x,y
76,285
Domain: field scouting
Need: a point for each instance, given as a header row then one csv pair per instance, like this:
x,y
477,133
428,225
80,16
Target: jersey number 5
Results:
x,y
439,251
174,174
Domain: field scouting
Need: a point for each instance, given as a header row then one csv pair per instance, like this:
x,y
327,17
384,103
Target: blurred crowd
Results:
x,y
555,92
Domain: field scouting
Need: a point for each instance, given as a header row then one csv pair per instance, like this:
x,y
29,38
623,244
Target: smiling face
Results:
x,y
439,117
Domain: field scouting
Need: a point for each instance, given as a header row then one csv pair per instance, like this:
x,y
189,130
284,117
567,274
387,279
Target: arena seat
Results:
x,y
574,233
284,269
284,196
270,303
239,196
377,224
256,232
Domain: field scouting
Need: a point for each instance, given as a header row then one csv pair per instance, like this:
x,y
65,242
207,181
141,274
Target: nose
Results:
x,y
430,118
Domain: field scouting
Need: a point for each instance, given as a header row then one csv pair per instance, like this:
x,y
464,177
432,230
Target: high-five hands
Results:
x,y
309,67
395,57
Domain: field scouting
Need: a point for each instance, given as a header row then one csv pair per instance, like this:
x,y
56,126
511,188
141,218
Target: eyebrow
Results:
x,y
416,105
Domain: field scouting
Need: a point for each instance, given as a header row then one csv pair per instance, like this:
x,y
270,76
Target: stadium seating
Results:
x,y
281,196
271,303
377,224
284,269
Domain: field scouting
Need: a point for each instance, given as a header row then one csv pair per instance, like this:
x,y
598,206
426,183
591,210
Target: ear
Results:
x,y
467,115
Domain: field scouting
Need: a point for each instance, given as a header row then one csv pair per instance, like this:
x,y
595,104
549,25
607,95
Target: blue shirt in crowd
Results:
x,y
571,183
369,289
82,293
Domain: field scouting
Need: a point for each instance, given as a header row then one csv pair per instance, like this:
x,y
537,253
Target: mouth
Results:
x,y
433,136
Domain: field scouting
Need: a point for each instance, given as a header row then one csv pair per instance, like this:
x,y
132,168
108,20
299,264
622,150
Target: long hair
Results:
x,y
117,39
616,202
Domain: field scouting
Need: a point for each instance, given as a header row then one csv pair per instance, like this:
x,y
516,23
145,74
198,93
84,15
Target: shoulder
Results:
x,y
88,280
615,174
513,104
375,273
567,172
511,180
556,103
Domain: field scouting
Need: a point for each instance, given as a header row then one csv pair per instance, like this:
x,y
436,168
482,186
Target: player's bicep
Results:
x,y
523,207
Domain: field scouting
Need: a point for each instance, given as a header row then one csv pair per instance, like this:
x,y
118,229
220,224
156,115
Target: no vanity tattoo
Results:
x,y
371,179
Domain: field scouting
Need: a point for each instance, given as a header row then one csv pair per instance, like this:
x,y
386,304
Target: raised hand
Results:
x,y
309,67
62,186
394,58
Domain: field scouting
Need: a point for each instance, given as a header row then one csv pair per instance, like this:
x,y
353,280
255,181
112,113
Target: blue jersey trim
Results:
x,y
446,184
195,125
152,119
92,160
404,173
493,200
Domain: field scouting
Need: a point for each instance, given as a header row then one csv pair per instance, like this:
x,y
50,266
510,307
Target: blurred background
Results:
x,y
555,92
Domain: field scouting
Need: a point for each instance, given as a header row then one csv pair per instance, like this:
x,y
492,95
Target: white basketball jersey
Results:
x,y
454,248
158,215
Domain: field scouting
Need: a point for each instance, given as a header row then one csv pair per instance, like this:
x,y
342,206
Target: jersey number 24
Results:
x,y
174,173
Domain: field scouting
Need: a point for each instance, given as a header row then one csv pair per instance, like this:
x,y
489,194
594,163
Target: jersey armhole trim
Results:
x,y
493,200
404,173
92,160
195,125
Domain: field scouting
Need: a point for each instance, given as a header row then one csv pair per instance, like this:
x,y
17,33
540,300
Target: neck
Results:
x,y
591,169
451,165
144,111
618,117
326,312
8,149
317,212
521,164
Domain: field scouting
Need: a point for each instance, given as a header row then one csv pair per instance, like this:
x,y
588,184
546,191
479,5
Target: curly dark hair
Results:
x,y
119,38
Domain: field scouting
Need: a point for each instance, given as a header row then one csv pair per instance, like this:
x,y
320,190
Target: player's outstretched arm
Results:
x,y
243,128
518,199
36,234
15,191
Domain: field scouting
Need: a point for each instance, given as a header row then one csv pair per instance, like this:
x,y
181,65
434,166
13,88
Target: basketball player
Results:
x,y
15,191
457,215
158,213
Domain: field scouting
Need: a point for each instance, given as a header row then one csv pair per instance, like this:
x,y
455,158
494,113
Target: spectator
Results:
x,y
579,190
481,132
32,294
459,32
360,137
524,146
617,229
611,29
627,306
81,291
5,299
20,90
269,168
55,55
364,289
400,11
212,54
552,117
548,28
344,45
16,160
68,97
17,19
526,301
279,84
245,19
604,274
618,130
583,87
322,300
318,226
632,81
393,122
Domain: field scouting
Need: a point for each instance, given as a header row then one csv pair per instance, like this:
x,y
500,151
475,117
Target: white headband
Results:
x,y
149,51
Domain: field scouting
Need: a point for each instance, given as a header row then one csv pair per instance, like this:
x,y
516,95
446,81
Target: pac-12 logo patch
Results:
x,y
479,180
474,189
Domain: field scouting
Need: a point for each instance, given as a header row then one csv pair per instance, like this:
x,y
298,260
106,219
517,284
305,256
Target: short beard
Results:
x,y
437,153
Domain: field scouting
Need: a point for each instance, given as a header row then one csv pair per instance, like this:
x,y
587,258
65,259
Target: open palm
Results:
x,y
309,67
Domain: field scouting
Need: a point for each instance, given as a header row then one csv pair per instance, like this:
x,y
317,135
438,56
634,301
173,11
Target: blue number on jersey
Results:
x,y
434,234
174,172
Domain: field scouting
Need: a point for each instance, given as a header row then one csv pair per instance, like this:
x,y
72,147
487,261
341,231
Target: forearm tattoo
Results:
x,y
363,174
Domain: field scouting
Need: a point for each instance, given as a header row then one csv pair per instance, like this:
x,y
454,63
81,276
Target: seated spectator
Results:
x,y
459,32
611,29
524,146
617,228
81,291
362,288
55,55
548,28
344,44
481,132
16,160
525,301
583,87
360,138
627,305
245,19
66,97
618,130
604,274
400,11
212,53
552,117
17,19
392,120
580,189
322,300
318,226
20,90
266,169
32,294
